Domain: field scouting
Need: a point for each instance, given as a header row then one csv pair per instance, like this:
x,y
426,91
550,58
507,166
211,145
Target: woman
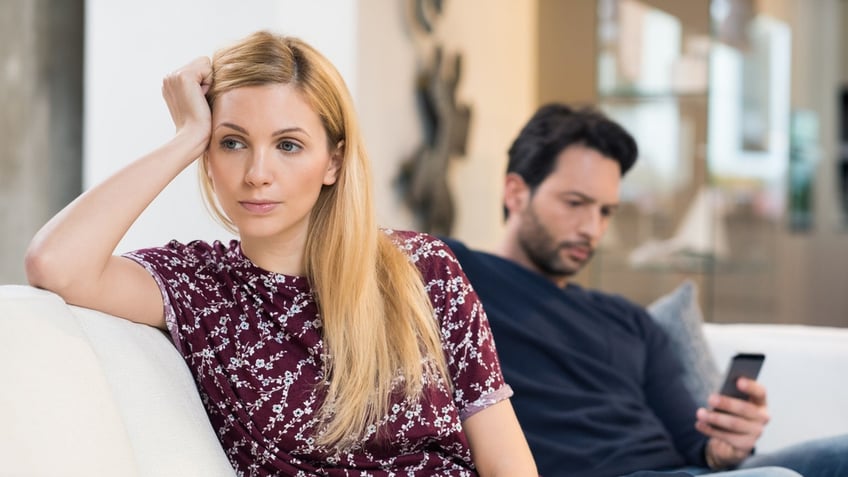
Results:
x,y
312,338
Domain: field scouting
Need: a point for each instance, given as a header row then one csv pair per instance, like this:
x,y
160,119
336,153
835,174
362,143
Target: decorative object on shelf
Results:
x,y
749,106
803,155
425,13
842,172
733,18
423,176
842,163
702,234
645,52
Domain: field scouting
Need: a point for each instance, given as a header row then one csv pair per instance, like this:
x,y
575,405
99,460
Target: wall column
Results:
x,y
41,45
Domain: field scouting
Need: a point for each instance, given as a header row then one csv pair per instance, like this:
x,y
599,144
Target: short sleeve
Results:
x,y
467,339
179,270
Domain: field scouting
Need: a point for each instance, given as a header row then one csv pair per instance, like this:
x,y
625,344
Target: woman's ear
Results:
x,y
335,164
516,193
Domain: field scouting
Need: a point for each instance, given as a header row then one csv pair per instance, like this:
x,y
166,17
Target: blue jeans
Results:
x,y
696,471
826,457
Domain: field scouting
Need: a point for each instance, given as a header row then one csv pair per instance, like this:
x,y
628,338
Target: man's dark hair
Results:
x,y
555,127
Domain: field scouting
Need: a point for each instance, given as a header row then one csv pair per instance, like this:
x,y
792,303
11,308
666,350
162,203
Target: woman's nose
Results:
x,y
258,172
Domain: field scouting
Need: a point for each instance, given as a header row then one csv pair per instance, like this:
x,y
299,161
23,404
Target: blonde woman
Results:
x,y
321,345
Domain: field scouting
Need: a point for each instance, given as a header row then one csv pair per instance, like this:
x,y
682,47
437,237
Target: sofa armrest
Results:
x,y
57,410
89,394
804,374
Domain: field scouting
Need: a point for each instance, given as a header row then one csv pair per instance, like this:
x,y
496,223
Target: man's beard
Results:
x,y
544,252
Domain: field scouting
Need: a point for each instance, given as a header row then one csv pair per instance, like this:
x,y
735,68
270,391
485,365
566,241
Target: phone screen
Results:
x,y
745,365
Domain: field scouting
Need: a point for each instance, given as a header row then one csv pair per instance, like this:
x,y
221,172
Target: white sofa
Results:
x,y
805,372
86,394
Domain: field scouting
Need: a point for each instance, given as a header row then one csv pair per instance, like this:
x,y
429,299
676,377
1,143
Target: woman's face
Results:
x,y
268,159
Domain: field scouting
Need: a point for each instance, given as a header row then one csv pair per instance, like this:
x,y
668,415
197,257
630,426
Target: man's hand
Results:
x,y
734,425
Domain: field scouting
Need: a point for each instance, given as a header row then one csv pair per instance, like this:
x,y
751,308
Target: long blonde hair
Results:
x,y
378,323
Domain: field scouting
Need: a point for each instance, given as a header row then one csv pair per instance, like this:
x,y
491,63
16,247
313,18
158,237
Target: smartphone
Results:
x,y
745,365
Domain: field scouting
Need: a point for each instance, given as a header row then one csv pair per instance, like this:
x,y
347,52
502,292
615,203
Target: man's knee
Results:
x,y
784,472
773,472
767,471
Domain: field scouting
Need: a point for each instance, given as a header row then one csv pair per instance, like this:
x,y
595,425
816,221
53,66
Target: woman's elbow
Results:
x,y
41,271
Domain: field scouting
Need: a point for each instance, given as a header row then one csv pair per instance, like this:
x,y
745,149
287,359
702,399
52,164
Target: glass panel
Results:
x,y
653,79
710,112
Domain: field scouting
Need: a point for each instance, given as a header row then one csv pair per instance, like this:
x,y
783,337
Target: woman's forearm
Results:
x,y
72,249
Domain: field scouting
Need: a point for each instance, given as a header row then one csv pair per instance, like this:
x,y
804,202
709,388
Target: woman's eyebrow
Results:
x,y
233,126
275,133
289,130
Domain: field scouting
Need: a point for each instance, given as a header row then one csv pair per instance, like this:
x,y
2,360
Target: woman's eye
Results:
x,y
231,144
289,146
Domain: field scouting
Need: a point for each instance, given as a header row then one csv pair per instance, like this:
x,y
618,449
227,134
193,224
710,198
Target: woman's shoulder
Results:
x,y
434,259
419,245
195,252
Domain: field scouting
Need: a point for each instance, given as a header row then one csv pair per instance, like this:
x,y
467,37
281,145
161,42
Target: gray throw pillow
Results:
x,y
679,314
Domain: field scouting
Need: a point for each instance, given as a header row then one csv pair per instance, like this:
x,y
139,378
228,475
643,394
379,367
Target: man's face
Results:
x,y
555,229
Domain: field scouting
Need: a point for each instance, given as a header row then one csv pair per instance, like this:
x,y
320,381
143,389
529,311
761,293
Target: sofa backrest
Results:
x,y
804,373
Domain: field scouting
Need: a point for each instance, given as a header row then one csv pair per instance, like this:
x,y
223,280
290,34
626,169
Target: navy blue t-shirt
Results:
x,y
598,392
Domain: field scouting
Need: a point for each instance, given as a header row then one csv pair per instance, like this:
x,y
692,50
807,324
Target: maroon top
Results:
x,y
253,341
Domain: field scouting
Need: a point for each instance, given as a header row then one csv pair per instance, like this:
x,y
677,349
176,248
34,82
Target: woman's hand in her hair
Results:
x,y
184,91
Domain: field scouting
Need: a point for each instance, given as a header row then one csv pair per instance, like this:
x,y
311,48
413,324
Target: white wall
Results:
x,y
497,39
385,98
131,46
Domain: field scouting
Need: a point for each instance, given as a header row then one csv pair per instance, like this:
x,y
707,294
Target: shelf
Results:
x,y
635,96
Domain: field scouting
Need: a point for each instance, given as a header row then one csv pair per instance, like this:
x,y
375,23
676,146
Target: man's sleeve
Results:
x,y
668,396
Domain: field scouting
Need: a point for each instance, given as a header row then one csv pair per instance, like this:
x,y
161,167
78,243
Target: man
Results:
x,y
597,390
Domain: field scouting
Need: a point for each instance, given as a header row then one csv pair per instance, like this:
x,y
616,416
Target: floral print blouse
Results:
x,y
253,341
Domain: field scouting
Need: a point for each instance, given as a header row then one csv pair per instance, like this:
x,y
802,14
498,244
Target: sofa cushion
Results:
x,y
679,314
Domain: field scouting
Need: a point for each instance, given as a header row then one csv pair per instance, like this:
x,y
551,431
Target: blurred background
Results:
x,y
740,108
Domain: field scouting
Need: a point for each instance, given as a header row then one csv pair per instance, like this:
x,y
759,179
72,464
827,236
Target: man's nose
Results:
x,y
593,225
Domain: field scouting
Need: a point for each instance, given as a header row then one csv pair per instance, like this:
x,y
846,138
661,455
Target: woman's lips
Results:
x,y
258,207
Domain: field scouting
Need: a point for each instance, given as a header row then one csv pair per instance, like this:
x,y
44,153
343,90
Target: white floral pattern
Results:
x,y
252,340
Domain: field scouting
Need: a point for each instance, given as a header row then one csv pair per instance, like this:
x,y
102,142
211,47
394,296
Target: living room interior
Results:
x,y
768,216
740,108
